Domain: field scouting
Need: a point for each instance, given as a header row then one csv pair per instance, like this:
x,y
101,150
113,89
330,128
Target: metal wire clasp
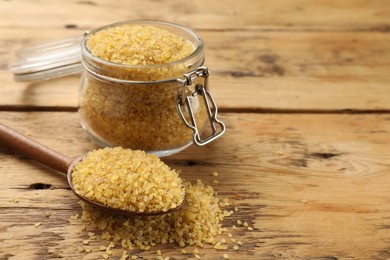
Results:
x,y
212,111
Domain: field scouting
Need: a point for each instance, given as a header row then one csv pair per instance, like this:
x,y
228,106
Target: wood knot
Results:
x,y
325,155
71,26
191,163
39,186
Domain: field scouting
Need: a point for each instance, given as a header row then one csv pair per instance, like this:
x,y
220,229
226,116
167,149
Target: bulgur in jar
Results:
x,y
133,93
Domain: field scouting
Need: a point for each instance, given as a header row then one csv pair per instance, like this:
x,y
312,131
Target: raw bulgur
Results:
x,y
129,180
37,224
133,115
138,45
199,220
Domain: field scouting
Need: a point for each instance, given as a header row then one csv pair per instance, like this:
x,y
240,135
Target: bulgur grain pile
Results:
x,y
132,115
138,45
197,222
129,180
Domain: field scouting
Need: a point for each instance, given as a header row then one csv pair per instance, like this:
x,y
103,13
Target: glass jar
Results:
x,y
159,108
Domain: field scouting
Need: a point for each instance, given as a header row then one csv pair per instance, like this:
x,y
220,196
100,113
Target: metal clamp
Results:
x,y
212,111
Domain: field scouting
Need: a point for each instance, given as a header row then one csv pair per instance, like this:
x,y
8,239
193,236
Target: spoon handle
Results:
x,y
27,146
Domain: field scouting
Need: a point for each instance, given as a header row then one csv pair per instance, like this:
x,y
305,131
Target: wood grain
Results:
x,y
229,15
286,70
308,193
312,180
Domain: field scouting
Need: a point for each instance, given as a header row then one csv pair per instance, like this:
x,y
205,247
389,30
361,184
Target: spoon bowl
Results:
x,y
27,146
107,208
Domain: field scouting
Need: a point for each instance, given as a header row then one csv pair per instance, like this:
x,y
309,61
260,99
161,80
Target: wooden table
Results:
x,y
303,87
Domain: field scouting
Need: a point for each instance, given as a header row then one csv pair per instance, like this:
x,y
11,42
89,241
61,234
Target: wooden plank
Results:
x,y
332,56
247,14
231,94
326,55
286,70
312,186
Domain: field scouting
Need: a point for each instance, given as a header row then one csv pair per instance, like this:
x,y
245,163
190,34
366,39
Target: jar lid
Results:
x,y
47,61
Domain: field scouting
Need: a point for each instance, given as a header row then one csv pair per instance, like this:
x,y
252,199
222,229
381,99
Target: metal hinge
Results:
x,y
217,127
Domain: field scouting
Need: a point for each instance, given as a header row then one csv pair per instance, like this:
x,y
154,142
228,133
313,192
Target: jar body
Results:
x,y
136,106
136,116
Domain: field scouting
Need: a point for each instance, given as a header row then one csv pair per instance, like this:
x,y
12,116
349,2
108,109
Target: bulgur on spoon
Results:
x,y
115,179
129,180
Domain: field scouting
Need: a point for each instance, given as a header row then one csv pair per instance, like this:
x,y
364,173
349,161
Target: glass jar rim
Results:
x,y
198,47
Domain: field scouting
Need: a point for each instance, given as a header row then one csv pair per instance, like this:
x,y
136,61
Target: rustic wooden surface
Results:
x,y
303,87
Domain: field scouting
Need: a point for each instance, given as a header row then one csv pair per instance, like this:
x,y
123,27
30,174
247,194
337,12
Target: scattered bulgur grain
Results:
x,y
197,256
225,256
134,257
92,236
85,242
48,214
128,180
196,251
37,224
239,222
102,248
199,244
250,228
197,222
74,217
124,255
224,204
235,208
223,240
81,249
234,227
215,174
105,256
220,246
233,240
183,251
236,247
304,201
230,235
245,224
216,181
228,213
88,250
239,242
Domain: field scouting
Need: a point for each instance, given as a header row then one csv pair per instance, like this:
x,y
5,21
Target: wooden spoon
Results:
x,y
27,146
